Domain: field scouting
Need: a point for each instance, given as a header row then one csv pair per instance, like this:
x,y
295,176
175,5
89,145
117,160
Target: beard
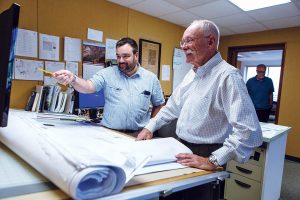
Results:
x,y
127,67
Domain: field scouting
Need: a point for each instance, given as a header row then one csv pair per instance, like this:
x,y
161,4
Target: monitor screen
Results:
x,y
90,101
8,25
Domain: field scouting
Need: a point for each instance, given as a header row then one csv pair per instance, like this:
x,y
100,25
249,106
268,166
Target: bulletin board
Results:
x,y
72,20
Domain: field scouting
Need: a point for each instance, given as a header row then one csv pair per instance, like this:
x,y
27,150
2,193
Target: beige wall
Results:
x,y
72,18
154,29
289,113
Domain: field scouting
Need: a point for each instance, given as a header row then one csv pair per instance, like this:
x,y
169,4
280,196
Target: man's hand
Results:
x,y
192,160
63,77
145,134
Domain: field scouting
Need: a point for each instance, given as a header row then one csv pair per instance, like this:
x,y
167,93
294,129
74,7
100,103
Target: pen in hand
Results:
x,y
47,73
52,74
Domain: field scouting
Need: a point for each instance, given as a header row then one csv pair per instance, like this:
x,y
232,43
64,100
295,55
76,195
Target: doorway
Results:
x,y
246,58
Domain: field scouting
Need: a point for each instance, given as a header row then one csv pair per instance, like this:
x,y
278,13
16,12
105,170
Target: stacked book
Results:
x,y
50,98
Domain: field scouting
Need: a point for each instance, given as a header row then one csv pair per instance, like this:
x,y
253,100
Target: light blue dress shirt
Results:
x,y
212,105
127,99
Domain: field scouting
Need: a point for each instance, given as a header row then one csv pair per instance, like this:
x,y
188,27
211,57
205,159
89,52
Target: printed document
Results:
x,y
49,47
27,43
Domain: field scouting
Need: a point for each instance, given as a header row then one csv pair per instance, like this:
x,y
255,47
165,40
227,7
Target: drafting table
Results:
x,y
17,178
42,189
144,188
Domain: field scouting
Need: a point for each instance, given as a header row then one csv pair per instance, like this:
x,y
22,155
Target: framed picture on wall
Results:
x,y
149,55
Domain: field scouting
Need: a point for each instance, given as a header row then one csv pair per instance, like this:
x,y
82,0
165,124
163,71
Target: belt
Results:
x,y
203,144
127,131
201,149
124,130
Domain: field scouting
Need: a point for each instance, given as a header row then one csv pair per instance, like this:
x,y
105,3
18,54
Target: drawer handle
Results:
x,y
244,185
246,171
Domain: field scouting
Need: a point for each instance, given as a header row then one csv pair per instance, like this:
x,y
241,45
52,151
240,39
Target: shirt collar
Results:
x,y
260,79
204,69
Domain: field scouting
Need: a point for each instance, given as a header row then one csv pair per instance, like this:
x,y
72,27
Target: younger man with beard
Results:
x,y
128,89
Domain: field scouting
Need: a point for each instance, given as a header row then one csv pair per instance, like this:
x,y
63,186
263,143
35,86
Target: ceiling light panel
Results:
x,y
247,5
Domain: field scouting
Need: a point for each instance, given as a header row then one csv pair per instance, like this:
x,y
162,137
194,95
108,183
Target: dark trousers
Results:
x,y
202,192
263,115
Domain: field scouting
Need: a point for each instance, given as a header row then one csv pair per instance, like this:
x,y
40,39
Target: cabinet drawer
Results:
x,y
238,187
258,157
247,170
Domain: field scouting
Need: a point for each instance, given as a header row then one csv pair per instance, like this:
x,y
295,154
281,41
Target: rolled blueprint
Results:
x,y
83,160
84,170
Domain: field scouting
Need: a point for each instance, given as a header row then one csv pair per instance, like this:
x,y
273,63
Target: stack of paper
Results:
x,y
83,160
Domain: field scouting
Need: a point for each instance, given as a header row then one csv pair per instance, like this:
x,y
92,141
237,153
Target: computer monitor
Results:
x,y
92,103
8,34
89,101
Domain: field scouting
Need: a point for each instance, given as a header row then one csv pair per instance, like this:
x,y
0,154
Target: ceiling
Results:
x,y
230,18
261,56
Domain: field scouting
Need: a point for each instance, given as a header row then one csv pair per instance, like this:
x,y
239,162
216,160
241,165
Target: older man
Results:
x,y
216,117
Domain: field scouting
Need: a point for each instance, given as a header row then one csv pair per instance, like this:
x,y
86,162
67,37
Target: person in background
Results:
x,y
129,89
261,90
215,116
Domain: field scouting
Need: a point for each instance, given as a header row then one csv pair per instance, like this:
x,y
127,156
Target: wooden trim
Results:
x,y
232,59
167,180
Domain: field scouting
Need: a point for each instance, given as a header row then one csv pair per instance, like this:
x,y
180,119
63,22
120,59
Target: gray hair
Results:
x,y
209,28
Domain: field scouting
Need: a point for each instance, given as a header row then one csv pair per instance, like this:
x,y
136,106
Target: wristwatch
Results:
x,y
213,159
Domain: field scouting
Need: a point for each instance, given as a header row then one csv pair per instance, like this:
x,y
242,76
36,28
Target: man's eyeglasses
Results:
x,y
260,72
187,41
190,40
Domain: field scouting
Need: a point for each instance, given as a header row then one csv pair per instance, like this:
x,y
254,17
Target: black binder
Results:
x,y
30,101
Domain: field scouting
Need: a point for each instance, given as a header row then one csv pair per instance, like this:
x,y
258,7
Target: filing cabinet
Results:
x,y
246,179
242,188
261,176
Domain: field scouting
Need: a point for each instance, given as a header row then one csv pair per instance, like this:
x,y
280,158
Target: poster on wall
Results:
x,y
149,55
93,53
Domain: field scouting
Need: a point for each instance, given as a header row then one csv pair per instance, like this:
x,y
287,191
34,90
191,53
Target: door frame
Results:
x,y
233,55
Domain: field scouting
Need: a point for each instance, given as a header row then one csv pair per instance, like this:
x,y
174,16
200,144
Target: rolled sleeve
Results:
x,y
238,151
98,80
157,98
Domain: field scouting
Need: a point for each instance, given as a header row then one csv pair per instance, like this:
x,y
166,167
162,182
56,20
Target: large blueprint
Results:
x,y
84,161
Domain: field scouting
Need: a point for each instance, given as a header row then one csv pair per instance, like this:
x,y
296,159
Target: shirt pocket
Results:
x,y
144,101
114,94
